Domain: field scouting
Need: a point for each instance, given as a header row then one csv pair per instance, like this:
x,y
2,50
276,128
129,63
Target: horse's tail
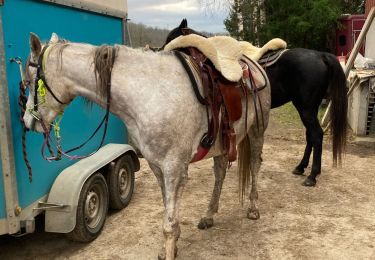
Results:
x,y
339,106
244,166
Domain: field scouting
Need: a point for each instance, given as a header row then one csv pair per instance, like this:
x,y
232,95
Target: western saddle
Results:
x,y
222,97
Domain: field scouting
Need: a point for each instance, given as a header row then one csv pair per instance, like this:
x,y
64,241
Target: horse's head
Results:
x,y
45,101
182,29
176,32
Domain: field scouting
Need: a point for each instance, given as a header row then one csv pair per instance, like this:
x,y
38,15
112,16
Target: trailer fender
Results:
x,y
61,209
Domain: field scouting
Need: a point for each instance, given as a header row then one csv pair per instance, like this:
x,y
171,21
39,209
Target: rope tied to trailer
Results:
x,y
22,99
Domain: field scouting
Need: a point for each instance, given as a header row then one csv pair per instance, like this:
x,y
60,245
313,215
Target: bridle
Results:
x,y
40,79
41,87
40,90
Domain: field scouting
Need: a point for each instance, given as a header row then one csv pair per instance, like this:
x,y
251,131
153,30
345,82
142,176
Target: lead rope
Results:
x,y
60,152
22,100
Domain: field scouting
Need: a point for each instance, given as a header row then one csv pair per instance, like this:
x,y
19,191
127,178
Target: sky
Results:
x,y
167,14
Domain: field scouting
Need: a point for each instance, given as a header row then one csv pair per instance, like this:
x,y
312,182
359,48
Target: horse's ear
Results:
x,y
183,23
35,45
54,38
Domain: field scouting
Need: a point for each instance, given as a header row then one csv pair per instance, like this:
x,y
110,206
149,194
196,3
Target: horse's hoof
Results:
x,y
253,214
161,256
205,223
298,171
309,182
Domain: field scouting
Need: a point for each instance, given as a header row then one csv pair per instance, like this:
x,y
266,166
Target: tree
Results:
x,y
245,20
233,23
141,35
352,6
302,23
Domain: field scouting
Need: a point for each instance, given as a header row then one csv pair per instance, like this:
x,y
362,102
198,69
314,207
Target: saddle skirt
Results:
x,y
252,71
271,57
223,51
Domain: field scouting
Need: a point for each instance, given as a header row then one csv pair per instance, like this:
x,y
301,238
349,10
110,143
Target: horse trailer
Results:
x,y
74,196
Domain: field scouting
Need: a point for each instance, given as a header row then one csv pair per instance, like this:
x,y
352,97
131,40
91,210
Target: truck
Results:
x,y
72,195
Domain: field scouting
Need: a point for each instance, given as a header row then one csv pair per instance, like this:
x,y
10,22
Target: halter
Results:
x,y
40,79
41,87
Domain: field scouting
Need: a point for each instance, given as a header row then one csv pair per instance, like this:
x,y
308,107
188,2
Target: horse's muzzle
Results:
x,y
32,124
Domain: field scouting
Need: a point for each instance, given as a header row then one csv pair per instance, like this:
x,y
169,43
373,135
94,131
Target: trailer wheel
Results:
x,y
121,183
92,209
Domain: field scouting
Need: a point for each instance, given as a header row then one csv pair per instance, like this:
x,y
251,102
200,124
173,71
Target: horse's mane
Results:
x,y
61,46
104,58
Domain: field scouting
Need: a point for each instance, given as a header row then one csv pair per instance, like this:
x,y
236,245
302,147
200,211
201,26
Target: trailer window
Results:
x,y
342,40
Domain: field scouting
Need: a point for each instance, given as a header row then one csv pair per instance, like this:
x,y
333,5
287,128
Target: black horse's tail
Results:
x,y
339,106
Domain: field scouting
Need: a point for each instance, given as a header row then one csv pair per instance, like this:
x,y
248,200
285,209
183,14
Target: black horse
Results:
x,y
305,77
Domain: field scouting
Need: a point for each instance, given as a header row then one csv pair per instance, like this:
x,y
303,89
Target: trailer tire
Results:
x,y
91,210
121,182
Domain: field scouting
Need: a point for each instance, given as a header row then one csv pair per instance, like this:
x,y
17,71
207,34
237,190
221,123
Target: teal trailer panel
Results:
x,y
20,17
2,194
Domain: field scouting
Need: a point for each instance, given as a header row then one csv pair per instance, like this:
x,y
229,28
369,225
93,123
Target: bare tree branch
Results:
x,y
213,6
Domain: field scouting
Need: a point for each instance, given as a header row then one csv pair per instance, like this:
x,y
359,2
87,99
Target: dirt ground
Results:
x,y
334,220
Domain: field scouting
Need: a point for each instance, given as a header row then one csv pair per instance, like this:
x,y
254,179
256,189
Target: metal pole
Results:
x,y
6,145
125,32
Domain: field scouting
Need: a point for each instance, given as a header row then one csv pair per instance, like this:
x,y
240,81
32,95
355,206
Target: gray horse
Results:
x,y
153,95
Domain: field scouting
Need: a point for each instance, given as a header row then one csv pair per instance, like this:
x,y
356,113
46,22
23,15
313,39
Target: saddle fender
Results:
x,y
231,93
67,187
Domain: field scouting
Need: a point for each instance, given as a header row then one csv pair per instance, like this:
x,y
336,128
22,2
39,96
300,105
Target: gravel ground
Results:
x,y
334,220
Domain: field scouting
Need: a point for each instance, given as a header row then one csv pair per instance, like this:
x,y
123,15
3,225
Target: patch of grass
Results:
x,y
288,115
322,110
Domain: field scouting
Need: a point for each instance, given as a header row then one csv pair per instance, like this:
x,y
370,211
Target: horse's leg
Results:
x,y
315,137
159,176
256,146
300,169
317,142
220,169
174,180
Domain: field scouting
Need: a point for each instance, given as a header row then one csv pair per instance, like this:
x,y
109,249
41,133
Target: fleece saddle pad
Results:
x,y
256,53
223,51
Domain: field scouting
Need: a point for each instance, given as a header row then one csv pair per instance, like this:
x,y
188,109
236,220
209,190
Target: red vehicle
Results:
x,y
368,6
348,34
